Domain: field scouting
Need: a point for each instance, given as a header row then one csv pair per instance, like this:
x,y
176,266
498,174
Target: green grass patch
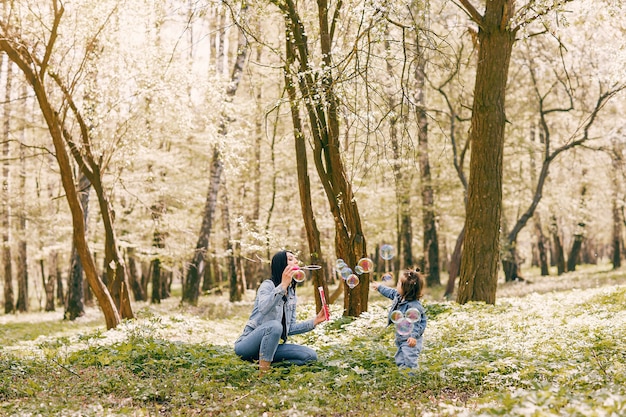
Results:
x,y
558,353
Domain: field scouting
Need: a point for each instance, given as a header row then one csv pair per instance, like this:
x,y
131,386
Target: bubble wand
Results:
x,y
324,305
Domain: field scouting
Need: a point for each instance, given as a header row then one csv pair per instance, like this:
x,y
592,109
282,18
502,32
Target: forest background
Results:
x,y
152,149
158,102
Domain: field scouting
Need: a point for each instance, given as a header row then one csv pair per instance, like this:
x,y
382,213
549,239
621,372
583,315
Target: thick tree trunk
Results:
x,y
479,263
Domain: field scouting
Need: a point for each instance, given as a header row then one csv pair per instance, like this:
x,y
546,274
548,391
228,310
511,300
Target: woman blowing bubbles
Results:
x,y
274,318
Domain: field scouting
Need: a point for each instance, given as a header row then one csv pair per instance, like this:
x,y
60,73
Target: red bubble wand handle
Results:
x,y
324,304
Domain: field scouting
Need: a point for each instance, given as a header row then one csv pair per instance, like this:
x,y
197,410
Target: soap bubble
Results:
x,y
387,277
366,264
346,272
404,327
352,281
386,252
396,316
358,270
412,315
340,264
298,275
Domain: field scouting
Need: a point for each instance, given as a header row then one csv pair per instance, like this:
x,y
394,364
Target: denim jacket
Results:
x,y
403,306
268,306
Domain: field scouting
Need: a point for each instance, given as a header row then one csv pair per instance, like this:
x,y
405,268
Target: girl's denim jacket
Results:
x,y
268,306
403,305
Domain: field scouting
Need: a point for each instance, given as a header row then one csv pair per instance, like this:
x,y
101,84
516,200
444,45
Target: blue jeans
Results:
x,y
263,343
406,356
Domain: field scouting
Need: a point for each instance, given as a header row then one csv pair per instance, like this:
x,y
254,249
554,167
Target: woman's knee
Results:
x,y
307,355
273,327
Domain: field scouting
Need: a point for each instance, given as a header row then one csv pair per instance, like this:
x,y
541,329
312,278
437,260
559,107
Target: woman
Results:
x,y
274,318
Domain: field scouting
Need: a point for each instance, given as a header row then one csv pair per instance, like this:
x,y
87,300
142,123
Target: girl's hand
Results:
x,y
411,341
286,277
320,318
375,285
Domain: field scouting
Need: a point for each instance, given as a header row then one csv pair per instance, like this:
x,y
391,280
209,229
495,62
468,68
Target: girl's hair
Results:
x,y
279,263
413,285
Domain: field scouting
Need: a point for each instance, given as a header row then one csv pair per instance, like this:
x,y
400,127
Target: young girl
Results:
x,y
406,296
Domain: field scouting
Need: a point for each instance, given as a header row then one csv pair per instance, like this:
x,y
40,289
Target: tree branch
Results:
x,y
472,12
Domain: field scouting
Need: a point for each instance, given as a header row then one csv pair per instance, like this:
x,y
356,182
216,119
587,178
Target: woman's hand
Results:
x,y
286,278
320,318
411,341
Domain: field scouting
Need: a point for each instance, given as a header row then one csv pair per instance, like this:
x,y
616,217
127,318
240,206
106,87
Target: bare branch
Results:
x,y
472,12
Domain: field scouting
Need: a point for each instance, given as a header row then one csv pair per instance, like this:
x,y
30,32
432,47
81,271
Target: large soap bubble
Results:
x,y
412,315
387,252
366,265
404,327
298,275
352,281
396,316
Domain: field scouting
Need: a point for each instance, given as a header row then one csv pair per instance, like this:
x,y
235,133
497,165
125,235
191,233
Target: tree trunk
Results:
x,y
235,285
455,264
315,256
541,247
479,263
155,273
48,284
431,242
135,277
574,256
22,277
75,305
618,205
558,255
9,306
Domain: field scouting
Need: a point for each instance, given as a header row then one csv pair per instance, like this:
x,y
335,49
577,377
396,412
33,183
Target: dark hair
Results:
x,y
279,263
413,285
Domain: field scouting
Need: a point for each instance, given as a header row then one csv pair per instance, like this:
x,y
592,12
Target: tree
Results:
x,y
479,263
195,269
560,92
9,306
497,28
617,162
321,107
36,70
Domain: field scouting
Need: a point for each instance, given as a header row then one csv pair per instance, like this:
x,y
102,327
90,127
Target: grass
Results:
x,y
551,346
